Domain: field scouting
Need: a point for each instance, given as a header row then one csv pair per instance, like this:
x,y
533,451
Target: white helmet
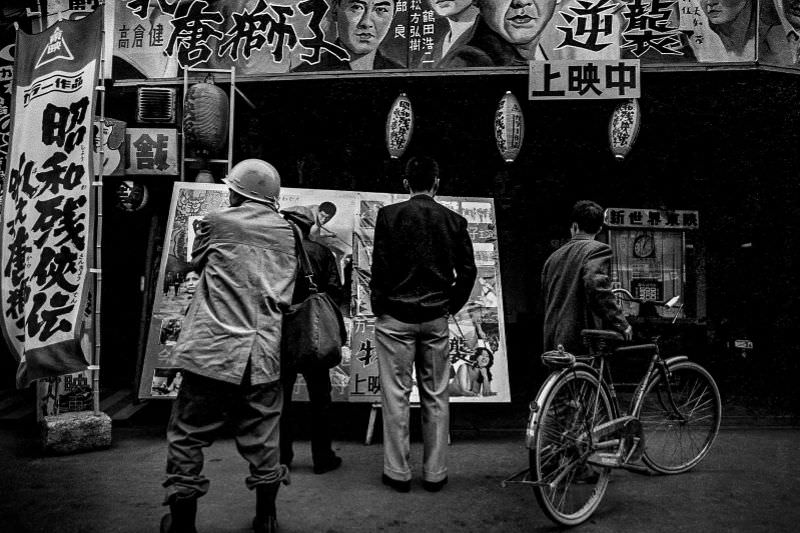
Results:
x,y
255,179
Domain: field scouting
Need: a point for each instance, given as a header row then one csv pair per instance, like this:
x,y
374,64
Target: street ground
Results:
x,y
748,483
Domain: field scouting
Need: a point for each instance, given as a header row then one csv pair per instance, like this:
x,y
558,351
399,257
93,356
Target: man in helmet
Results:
x,y
229,347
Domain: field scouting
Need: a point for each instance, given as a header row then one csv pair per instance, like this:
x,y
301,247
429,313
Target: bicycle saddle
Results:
x,y
601,341
605,334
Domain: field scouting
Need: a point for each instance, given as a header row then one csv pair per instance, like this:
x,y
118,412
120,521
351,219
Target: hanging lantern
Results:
x,y
399,126
509,127
205,117
204,176
624,127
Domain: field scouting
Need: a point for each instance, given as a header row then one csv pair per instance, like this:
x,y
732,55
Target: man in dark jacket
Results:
x,y
423,269
576,284
318,379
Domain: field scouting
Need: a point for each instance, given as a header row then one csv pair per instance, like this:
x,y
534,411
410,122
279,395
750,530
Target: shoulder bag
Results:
x,y
313,330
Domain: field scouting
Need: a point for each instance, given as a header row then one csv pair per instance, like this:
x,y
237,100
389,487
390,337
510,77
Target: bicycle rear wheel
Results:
x,y
675,441
562,445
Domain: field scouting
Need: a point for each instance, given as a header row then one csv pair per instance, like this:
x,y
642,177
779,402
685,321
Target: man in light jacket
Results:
x,y
229,347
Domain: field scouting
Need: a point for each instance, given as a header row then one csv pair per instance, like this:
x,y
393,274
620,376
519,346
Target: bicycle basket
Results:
x,y
558,358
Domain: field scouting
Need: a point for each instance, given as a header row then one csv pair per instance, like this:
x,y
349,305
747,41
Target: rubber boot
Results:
x,y
266,520
181,517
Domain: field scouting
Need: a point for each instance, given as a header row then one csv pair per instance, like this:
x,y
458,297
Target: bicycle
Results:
x,y
576,433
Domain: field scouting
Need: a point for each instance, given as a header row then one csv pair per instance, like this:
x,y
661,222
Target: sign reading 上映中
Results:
x,y
580,79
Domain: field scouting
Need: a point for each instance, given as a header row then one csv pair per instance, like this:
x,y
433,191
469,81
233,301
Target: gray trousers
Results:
x,y
401,347
201,410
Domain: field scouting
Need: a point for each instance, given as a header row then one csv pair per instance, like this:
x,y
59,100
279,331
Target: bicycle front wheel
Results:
x,y
680,418
570,488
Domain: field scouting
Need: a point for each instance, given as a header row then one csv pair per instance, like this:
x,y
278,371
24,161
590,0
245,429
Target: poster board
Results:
x,y
349,235
154,38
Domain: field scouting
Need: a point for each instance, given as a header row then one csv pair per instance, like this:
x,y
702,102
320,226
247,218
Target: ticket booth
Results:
x,y
655,257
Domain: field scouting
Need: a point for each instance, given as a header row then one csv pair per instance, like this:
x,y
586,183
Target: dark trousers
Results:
x,y
199,413
318,382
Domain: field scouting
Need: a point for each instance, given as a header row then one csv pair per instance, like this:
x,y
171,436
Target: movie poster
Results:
x,y
47,215
344,222
157,37
477,335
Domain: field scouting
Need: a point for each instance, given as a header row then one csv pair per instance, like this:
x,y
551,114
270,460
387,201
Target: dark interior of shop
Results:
x,y
723,143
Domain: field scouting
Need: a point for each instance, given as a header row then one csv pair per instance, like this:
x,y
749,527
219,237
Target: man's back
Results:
x,y
423,265
248,263
577,293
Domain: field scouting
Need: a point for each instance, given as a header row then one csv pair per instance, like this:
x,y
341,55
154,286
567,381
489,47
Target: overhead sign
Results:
x,y
584,80
155,38
652,219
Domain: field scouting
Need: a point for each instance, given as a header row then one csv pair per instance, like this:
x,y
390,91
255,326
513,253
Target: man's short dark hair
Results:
x,y
328,207
421,173
588,215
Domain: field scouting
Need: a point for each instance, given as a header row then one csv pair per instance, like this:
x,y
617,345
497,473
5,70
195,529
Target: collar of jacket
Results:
x,y
582,237
421,196
272,204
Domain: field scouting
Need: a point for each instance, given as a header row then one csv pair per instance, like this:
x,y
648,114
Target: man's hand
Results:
x,y
628,333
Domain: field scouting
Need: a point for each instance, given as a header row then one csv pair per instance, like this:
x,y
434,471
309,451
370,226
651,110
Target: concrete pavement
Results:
x,y
748,483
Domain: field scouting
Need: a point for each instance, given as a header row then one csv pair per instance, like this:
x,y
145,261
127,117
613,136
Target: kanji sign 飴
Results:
x,y
152,151
46,239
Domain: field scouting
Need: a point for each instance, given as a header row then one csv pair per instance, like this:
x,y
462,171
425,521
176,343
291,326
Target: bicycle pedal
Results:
x,y
610,460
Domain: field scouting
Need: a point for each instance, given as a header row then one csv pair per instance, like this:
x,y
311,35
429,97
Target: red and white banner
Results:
x,y
47,224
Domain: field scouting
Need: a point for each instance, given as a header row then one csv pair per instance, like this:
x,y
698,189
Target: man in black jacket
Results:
x,y
423,269
318,379
576,285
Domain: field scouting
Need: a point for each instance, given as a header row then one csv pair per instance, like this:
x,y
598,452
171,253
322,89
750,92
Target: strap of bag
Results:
x,y
304,264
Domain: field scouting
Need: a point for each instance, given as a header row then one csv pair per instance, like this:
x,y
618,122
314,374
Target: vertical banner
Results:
x,y
7,35
77,9
345,223
47,224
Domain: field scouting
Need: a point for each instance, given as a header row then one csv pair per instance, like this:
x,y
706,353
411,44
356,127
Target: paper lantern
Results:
x,y
509,127
624,127
205,117
399,126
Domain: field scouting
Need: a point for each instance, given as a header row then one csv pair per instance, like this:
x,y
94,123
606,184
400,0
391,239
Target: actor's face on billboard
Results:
x,y
791,10
448,8
518,21
722,11
363,23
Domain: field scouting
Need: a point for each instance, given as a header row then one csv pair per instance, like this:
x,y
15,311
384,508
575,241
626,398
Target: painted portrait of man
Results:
x,y
780,32
361,27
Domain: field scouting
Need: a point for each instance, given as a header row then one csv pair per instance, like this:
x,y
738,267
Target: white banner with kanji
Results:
x,y
47,231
